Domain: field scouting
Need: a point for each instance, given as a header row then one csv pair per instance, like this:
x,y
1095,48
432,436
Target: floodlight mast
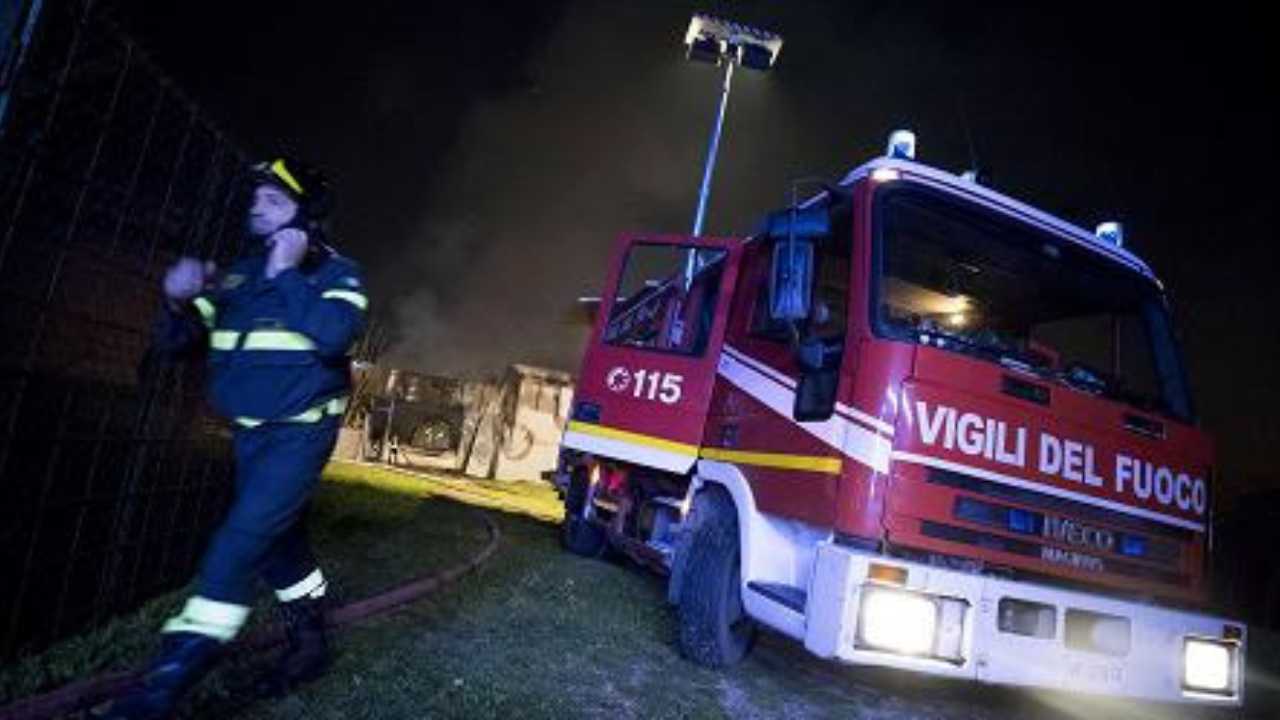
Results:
x,y
711,39
713,150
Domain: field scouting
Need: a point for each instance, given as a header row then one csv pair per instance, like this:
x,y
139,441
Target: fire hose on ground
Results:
x,y
84,694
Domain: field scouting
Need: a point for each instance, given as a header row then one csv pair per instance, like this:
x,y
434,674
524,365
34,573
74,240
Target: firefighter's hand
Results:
x,y
288,247
184,279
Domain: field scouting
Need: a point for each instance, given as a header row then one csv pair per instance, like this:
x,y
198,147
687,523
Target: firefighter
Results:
x,y
278,324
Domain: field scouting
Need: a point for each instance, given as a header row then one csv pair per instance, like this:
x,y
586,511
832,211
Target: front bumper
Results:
x,y
1017,633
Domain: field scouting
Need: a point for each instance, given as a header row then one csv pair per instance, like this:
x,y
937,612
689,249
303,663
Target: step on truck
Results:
x,y
914,423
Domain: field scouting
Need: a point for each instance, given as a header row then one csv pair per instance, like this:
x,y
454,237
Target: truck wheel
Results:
x,y
579,535
715,630
583,537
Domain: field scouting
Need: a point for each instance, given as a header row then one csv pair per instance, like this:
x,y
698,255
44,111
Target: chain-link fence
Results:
x,y
112,472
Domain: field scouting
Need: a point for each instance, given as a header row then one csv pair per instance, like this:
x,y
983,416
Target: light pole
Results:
x,y
14,46
724,42
393,389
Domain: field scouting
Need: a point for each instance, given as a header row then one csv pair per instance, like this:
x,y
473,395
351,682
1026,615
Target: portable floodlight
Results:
x,y
714,40
724,42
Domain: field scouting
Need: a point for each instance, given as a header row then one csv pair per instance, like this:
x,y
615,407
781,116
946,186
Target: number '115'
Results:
x,y
664,387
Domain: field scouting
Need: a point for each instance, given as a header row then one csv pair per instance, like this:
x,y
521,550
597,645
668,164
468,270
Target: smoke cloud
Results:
x,y
607,133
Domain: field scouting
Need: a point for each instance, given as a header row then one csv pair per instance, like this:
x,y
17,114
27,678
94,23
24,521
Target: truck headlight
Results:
x,y
898,621
1207,666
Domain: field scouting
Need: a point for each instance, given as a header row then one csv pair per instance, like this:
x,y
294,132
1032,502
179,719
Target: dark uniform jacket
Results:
x,y
278,349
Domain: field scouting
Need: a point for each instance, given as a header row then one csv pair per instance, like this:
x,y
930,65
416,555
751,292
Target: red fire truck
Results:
x,y
912,422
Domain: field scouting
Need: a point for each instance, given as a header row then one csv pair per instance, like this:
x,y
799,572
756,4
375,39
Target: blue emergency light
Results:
x,y
902,144
1110,232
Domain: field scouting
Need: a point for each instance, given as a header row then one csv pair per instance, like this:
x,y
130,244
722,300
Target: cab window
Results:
x,y
666,298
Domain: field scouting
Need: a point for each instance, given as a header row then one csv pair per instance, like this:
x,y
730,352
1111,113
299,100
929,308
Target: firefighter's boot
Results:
x,y
184,658
306,654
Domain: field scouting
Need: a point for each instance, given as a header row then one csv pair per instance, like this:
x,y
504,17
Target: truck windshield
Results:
x,y
969,281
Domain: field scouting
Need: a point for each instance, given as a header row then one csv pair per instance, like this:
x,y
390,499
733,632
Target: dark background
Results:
x,y
488,152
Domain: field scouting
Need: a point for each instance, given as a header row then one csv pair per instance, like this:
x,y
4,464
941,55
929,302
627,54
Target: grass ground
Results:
x,y
534,633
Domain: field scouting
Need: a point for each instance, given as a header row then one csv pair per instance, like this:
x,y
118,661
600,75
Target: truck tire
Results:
x,y
583,537
715,630
579,535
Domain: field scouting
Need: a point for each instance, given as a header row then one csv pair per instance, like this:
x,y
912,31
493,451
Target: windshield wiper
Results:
x,y
1081,377
1005,356
1076,376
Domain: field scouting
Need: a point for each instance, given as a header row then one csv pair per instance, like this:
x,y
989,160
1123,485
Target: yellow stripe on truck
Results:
x,y
634,438
810,463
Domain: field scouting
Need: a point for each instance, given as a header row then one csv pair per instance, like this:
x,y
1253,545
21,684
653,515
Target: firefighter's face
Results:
x,y
271,210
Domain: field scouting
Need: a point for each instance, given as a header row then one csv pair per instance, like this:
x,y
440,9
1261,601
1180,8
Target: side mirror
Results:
x,y
790,286
799,223
811,354
795,230
816,395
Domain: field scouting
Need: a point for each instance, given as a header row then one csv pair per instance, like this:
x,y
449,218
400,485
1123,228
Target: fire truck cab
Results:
x,y
911,422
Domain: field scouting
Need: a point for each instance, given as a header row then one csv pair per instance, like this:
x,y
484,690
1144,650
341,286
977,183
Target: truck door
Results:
x,y
647,376
794,468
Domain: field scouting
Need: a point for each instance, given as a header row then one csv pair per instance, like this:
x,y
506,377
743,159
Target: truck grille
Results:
x,y
1060,531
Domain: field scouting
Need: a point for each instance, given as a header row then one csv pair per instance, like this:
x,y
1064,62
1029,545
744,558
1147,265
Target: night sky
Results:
x,y
487,153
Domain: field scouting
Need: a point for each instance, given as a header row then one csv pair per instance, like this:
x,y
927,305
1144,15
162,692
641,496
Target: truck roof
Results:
x,y
956,185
